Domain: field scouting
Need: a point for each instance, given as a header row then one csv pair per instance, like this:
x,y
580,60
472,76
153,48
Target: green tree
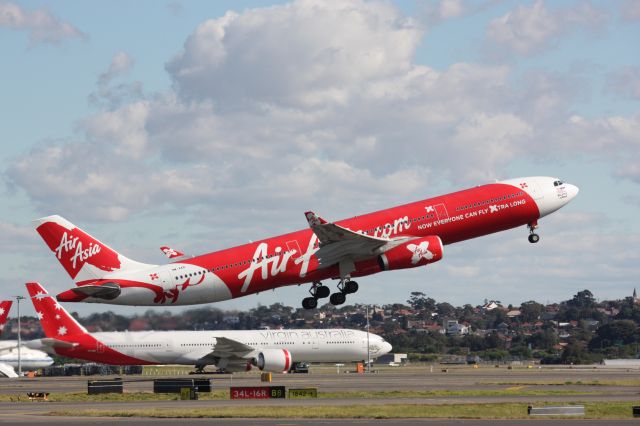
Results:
x,y
583,299
420,302
531,311
615,333
445,310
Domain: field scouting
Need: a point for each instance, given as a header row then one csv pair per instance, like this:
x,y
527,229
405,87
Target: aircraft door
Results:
x,y
166,278
293,245
99,347
441,211
533,188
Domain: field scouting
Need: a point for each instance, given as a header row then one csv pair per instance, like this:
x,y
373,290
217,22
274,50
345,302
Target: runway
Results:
x,y
586,384
390,379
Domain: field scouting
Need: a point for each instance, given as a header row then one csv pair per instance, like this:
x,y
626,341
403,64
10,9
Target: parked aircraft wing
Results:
x,y
7,371
226,348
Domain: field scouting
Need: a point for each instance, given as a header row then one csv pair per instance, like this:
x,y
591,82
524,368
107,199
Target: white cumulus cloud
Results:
x,y
42,26
531,28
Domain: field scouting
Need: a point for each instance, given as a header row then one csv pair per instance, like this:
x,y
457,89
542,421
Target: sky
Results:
x,y
204,125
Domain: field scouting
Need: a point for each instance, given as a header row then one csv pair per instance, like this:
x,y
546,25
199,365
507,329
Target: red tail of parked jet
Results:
x,y
5,307
401,237
69,338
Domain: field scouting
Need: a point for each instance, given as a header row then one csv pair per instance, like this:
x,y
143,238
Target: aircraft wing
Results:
x,y
227,348
339,245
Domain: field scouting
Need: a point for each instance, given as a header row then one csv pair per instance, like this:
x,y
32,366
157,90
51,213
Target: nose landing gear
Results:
x,y
533,237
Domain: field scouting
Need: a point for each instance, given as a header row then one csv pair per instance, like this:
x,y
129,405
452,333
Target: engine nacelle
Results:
x,y
274,360
418,252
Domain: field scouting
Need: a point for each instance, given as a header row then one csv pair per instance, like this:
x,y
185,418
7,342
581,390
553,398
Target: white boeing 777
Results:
x,y
228,350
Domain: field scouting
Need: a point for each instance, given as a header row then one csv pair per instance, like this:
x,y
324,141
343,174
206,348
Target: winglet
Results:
x,y
171,253
314,219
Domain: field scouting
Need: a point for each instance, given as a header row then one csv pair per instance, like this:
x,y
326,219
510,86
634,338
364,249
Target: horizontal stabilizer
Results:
x,y
49,342
107,291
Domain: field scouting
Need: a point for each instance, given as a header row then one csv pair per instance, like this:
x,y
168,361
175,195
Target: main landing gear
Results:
x,y
346,286
533,237
319,291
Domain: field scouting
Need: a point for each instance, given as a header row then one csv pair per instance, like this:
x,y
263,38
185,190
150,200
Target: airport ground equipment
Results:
x,y
569,410
176,385
38,396
95,387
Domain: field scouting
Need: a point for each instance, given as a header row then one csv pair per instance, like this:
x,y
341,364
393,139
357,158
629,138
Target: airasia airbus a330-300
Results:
x,y
405,236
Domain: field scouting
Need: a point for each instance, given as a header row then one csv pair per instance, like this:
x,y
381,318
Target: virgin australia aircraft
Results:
x,y
229,350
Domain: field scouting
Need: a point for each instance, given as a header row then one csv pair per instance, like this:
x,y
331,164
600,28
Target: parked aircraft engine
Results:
x,y
418,252
274,360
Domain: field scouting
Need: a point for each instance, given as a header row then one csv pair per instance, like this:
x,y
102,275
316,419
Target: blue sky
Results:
x,y
206,124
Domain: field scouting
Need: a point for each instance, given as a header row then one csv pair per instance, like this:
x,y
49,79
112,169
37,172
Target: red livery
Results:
x,y
401,237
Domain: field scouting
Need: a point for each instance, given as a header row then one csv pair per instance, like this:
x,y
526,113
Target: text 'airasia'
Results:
x,y
405,236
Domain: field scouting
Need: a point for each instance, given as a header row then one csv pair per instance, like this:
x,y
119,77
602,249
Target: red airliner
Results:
x,y
405,236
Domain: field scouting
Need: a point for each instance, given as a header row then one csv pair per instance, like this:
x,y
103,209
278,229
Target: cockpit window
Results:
x,y
558,183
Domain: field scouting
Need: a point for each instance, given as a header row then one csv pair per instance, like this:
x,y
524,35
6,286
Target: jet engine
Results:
x,y
274,360
410,254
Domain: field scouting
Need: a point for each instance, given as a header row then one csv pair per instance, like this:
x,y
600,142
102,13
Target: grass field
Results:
x,y
224,394
593,410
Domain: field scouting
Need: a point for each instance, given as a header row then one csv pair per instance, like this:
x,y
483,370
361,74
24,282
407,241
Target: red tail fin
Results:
x,y
56,321
82,256
5,307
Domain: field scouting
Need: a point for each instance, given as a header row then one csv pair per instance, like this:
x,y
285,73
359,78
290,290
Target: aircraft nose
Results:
x,y
572,191
386,347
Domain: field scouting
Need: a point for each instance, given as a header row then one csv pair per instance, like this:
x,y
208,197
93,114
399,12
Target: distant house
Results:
x,y
454,328
591,323
231,319
491,305
548,316
503,326
610,312
139,324
513,313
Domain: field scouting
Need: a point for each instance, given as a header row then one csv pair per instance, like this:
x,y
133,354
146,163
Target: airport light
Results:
x,y
18,299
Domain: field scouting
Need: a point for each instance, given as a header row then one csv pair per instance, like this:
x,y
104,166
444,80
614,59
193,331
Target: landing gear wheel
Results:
x,y
350,287
337,298
309,303
322,292
534,238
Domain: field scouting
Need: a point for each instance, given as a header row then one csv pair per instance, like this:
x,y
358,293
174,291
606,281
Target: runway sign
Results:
x,y
257,392
303,393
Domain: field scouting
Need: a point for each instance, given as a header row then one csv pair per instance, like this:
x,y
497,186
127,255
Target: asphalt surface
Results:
x,y
327,380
